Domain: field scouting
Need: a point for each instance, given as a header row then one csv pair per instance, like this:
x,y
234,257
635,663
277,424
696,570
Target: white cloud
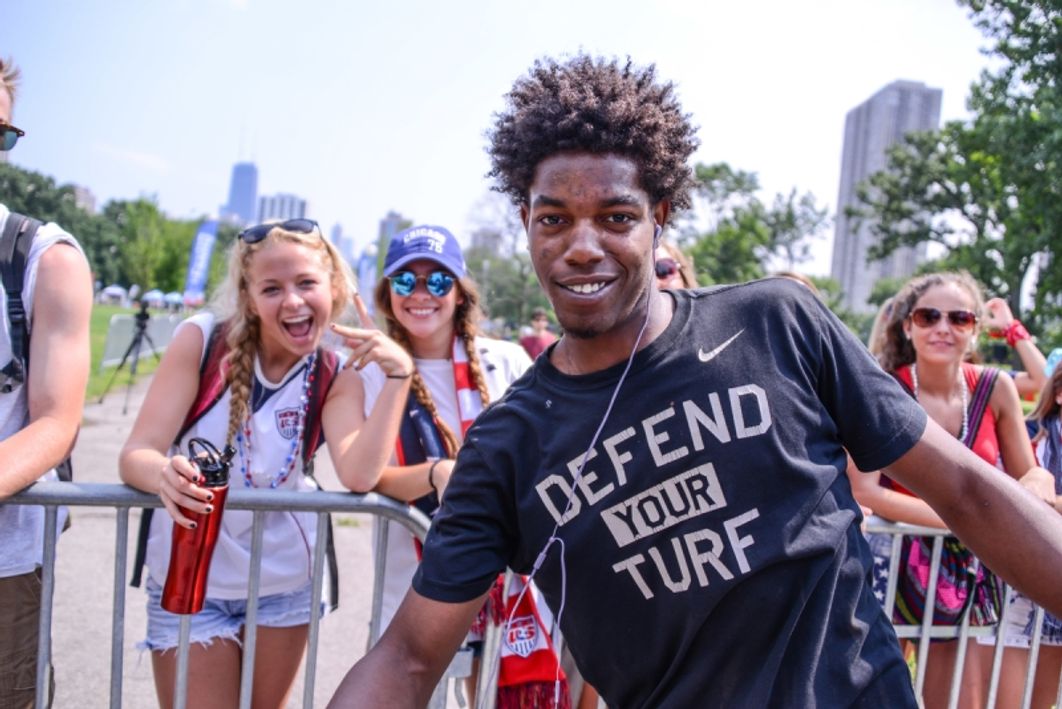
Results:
x,y
144,161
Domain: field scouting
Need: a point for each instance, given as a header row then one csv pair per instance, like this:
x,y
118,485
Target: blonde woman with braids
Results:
x,y
286,286
930,335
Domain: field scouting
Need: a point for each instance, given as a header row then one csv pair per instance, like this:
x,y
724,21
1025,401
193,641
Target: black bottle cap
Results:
x,y
213,466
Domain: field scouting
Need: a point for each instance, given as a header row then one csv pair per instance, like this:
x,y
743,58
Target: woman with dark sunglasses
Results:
x,y
673,268
929,339
431,308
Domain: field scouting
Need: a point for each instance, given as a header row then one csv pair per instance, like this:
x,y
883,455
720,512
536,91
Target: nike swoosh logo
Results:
x,y
711,354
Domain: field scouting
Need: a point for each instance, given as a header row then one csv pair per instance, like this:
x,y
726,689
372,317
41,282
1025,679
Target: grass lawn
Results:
x,y
101,318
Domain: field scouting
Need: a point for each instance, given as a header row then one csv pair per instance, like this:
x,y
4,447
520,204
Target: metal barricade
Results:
x,y
926,632
51,495
122,498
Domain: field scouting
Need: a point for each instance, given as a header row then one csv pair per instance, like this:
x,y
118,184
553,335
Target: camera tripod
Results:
x,y
140,334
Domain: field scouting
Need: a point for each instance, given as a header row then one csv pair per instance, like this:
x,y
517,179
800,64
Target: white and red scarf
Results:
x,y
529,664
529,668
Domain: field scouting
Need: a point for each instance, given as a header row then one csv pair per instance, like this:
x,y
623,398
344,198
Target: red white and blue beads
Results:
x,y
243,437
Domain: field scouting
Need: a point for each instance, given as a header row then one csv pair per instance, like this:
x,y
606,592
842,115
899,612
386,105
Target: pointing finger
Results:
x,y
363,313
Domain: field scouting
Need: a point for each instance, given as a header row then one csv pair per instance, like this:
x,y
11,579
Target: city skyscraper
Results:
x,y
243,194
870,129
280,206
389,226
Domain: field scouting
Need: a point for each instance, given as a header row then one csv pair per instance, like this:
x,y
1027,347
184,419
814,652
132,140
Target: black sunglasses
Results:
x,y
10,135
928,317
438,283
254,234
666,267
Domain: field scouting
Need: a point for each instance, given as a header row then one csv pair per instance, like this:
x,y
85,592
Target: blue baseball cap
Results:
x,y
433,243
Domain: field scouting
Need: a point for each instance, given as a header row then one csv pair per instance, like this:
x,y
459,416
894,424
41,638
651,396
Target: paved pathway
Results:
x,y
85,571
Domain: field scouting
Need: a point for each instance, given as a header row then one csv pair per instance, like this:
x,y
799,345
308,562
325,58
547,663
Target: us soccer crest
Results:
x,y
521,635
288,422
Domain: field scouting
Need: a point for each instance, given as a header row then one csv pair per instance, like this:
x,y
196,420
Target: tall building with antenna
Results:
x,y
242,206
870,129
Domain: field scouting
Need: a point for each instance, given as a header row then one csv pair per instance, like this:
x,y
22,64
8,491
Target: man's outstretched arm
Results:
x,y
403,668
1014,532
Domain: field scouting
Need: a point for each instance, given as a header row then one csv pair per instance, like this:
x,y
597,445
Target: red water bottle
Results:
x,y
192,549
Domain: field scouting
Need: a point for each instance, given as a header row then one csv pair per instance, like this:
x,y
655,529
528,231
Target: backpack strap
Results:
x,y
979,397
211,388
979,402
326,368
211,378
15,243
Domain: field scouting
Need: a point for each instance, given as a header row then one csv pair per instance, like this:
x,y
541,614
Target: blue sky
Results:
x,y
368,108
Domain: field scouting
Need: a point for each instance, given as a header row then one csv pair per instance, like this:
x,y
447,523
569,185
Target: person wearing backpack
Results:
x,y
276,394
929,339
47,291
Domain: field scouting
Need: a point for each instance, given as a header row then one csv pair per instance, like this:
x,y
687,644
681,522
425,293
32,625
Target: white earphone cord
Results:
x,y
541,558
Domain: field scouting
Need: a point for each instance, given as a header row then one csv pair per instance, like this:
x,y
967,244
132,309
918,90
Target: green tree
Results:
x,y
744,236
792,222
142,227
734,251
886,288
499,262
38,196
987,189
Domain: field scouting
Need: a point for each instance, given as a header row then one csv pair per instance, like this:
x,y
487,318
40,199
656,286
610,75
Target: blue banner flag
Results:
x,y
199,263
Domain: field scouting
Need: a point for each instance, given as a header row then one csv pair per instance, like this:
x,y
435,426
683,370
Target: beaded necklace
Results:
x,y
243,437
965,398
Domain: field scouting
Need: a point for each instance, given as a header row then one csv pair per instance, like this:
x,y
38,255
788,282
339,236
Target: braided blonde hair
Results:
x,y
233,307
9,77
466,319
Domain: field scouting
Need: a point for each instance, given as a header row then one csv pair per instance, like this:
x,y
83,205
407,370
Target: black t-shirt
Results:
x,y
712,548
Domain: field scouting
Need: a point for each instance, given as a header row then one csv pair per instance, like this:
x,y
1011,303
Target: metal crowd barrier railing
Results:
x,y
54,494
51,495
926,632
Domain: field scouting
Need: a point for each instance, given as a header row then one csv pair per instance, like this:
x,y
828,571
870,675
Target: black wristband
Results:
x,y
431,475
407,375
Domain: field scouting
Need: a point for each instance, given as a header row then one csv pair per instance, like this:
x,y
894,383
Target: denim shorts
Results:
x,y
1018,625
223,619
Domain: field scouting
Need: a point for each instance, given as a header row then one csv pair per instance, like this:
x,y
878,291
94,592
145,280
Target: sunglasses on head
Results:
x,y
438,283
254,234
666,267
928,317
9,135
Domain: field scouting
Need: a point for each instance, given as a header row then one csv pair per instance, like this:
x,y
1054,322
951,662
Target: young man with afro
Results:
x,y
672,471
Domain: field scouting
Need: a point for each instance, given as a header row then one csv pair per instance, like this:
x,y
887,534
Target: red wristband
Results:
x,y
1016,332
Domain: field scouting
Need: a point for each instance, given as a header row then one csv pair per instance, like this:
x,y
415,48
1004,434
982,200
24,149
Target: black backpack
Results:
x,y
15,243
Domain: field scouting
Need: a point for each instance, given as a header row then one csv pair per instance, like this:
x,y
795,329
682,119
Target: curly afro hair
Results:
x,y
597,106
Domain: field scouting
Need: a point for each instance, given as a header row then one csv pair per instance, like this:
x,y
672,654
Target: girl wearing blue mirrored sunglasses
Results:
x,y
437,283
431,308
